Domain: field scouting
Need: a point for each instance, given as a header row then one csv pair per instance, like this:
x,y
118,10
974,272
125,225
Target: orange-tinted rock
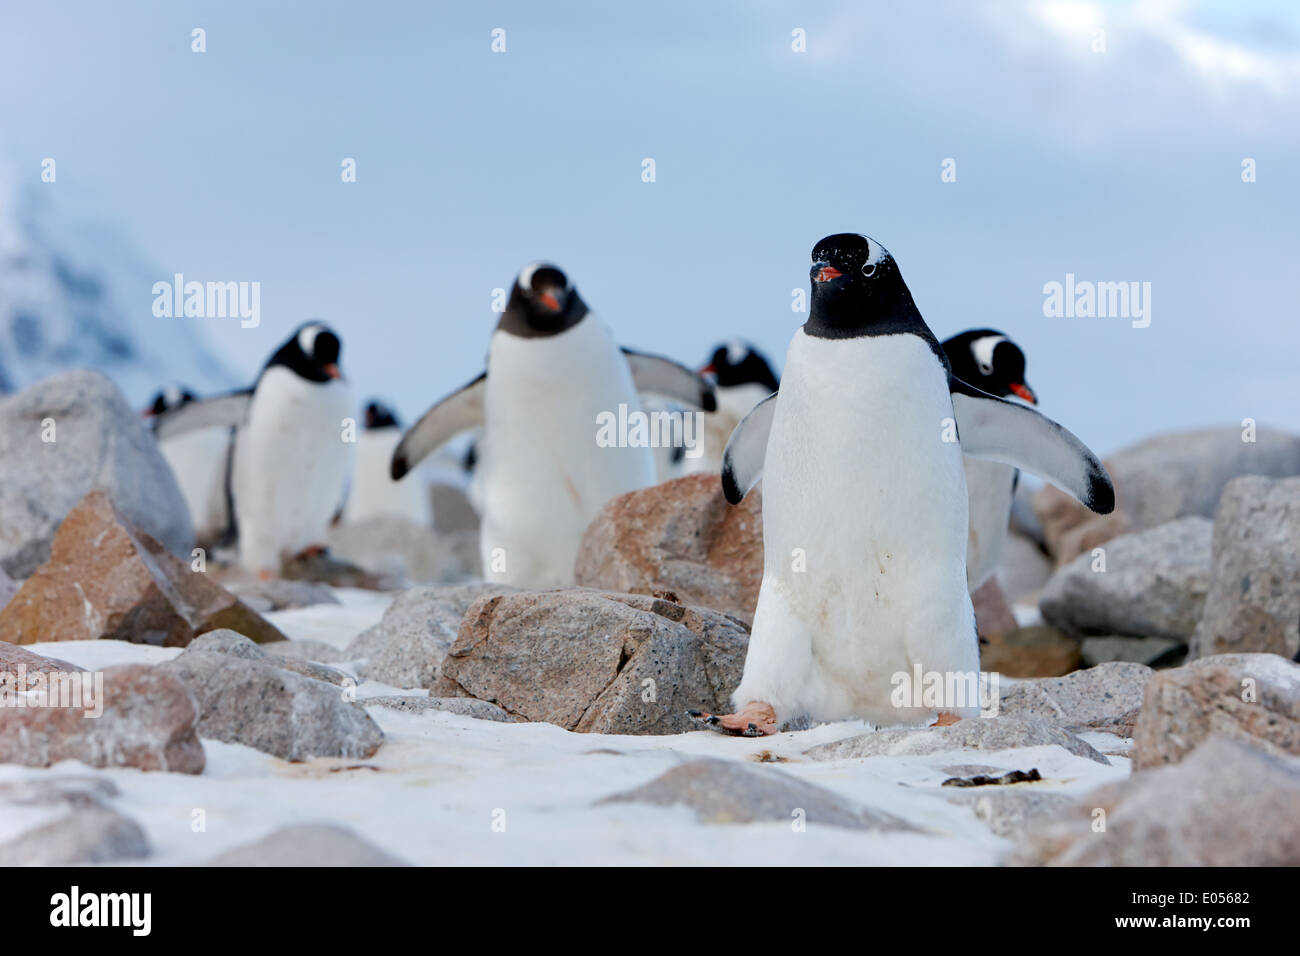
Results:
x,y
107,579
1031,652
679,537
992,611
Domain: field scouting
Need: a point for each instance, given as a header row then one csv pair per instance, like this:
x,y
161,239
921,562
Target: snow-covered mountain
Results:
x,y
74,294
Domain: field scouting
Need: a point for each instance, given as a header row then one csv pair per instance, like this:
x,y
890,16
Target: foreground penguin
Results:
x,y
864,507
200,460
991,362
373,492
743,377
291,459
554,373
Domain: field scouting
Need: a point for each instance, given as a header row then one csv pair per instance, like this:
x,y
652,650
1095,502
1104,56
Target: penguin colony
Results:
x,y
888,461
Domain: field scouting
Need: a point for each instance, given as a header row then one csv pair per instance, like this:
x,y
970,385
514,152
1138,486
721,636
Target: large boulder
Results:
x,y
148,721
972,733
252,701
1152,584
678,539
596,662
1254,596
1225,805
1163,478
98,442
108,579
1250,697
406,648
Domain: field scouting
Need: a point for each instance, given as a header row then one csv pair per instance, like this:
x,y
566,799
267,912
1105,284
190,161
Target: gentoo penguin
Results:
x,y
554,375
743,377
992,363
864,508
373,492
291,460
200,460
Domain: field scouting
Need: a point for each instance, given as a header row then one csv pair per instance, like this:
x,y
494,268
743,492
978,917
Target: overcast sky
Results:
x,y
1114,164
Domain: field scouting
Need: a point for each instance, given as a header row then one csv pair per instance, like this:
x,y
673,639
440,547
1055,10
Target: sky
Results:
x,y
1103,140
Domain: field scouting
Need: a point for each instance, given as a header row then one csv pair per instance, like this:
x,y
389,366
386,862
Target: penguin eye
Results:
x,y
986,368
868,269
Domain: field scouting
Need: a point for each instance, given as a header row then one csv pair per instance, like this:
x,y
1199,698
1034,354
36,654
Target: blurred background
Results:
x,y
1100,139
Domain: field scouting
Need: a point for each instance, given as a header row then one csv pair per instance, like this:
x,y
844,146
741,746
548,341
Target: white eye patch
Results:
x,y
736,351
982,349
307,339
526,276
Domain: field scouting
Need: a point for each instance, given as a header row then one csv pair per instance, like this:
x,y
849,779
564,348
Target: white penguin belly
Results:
x,y
989,485
544,477
291,466
198,459
374,493
864,527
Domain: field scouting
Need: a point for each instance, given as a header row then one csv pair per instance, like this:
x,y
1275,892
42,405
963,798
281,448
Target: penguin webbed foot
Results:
x,y
755,719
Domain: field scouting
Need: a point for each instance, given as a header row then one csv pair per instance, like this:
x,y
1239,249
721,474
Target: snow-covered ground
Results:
x,y
433,792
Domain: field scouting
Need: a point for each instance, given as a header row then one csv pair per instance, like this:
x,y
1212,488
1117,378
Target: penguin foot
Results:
x,y
945,719
266,574
311,551
755,719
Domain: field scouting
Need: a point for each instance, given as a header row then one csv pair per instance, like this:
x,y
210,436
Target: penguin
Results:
x,y
291,458
743,377
863,602
199,460
989,360
373,492
554,373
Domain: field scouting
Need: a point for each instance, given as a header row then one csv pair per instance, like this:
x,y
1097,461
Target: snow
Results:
x,y
432,792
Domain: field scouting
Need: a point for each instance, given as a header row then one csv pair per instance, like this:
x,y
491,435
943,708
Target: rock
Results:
x,y
972,733
326,568
1186,705
256,703
1024,570
12,657
274,594
308,844
1107,697
992,612
305,649
1152,651
397,547
1225,805
8,588
107,579
452,511
1254,596
1030,652
88,831
1153,585
463,706
725,791
1009,810
236,645
681,538
1163,478
99,442
148,722
406,648
596,662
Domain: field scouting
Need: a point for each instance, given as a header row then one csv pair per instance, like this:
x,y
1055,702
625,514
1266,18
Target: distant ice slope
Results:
x,y
74,294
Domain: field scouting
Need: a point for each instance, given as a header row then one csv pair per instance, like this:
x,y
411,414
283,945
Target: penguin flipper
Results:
x,y
458,412
997,430
668,379
220,411
742,460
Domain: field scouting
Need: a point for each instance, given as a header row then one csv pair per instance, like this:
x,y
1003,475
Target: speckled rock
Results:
x,y
99,443
1107,697
78,825
1040,651
463,706
1007,811
726,791
1225,805
237,645
973,733
1254,698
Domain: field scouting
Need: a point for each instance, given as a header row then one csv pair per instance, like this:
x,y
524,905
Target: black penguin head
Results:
x,y
169,399
991,362
542,302
737,363
856,285
312,352
379,415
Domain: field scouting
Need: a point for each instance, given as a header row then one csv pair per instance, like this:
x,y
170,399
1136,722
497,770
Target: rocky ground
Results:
x,y
1150,711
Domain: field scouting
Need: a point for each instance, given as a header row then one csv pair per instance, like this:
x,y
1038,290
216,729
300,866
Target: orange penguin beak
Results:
x,y
1026,393
550,301
826,273
332,371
